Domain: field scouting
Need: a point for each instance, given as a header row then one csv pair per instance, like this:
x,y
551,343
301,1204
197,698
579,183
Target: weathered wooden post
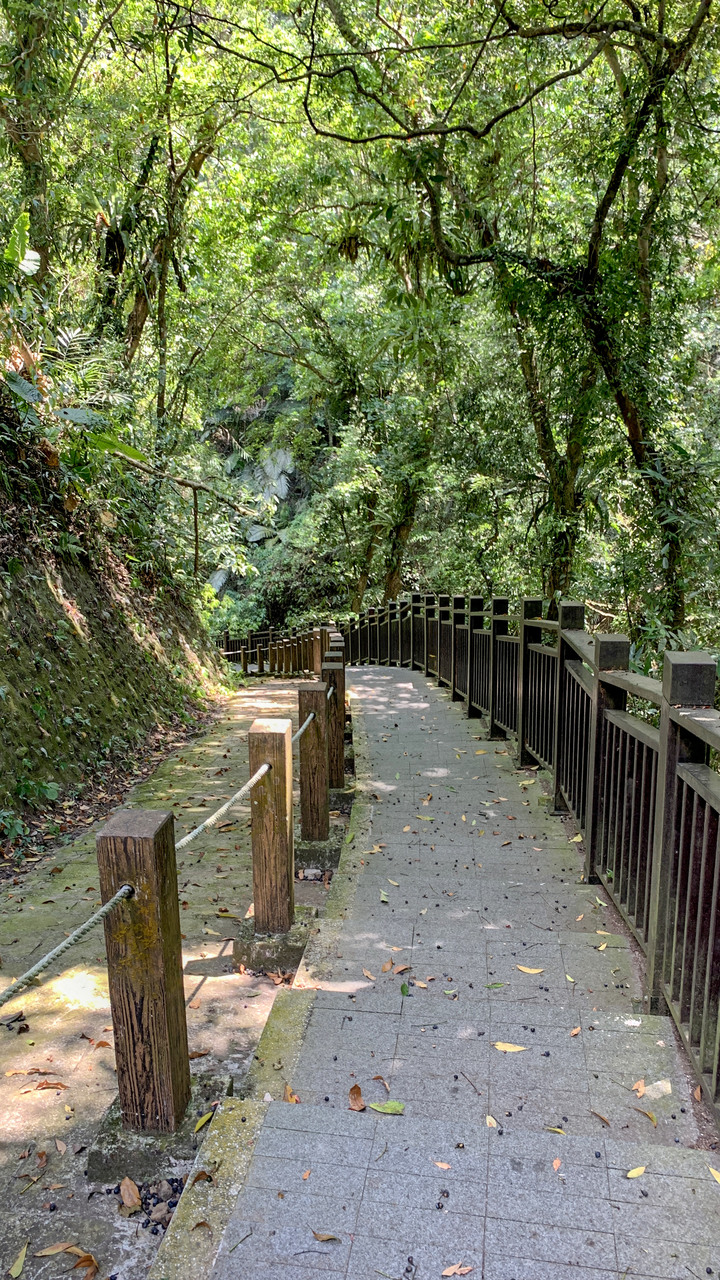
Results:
x,y
244,659
145,974
272,650
498,627
313,762
529,608
612,653
269,742
571,617
688,681
287,658
260,660
475,623
333,673
317,650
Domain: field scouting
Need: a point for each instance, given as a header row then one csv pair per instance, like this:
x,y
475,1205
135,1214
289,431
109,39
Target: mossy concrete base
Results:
x,y
268,952
323,854
118,1152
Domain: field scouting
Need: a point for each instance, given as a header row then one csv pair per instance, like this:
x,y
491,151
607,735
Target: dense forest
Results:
x,y
306,306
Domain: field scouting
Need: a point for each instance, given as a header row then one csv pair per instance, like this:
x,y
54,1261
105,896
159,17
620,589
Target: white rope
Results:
x,y
210,822
330,692
296,736
125,892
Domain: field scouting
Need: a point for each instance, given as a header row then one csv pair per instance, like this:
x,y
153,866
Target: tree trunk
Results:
x,y
408,495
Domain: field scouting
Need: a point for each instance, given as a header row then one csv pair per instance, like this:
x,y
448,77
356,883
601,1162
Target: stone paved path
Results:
x,y
502,1162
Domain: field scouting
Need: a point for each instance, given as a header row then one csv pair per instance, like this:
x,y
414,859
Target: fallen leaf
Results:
x,y
19,1263
601,1117
697,1093
289,1096
383,896
407,828
575,1032
203,1120
551,1128
325,1236
387,1086
198,1053
421,984
491,1122
636,1173
649,1115
387,966
130,1195
567,975
202,1176
524,969
395,882
202,1224
556,1163
368,974
51,1084
639,1088
481,753
194,1004
602,946
575,840
306,1175
90,1265
52,1249
714,1173
580,917
605,933
357,1102
504,1047
388,1108
458,1269
401,968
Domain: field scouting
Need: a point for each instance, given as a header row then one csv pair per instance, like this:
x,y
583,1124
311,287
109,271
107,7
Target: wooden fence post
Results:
x,y
571,617
688,681
429,613
269,742
316,651
333,673
475,623
498,627
612,653
457,617
144,954
260,660
313,762
244,659
529,608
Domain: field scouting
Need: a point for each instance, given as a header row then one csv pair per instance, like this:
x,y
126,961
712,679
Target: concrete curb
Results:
x,y
188,1250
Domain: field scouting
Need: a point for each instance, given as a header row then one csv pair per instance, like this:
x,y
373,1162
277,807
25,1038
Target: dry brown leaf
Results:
x,y
130,1196
194,1004
580,917
401,968
198,1053
382,1081
289,1096
457,1270
306,1175
697,1093
369,975
601,1117
90,1265
202,1224
575,1032
61,1146
650,1115
639,1088
442,1164
387,966
52,1249
324,1236
51,1084
357,1102
556,1163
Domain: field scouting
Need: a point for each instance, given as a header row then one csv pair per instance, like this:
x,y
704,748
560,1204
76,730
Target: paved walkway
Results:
x,y
470,930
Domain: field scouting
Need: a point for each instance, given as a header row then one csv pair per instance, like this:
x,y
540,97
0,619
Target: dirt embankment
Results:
x,y
95,675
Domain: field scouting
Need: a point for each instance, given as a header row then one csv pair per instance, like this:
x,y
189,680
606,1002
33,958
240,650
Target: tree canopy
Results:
x,y
321,304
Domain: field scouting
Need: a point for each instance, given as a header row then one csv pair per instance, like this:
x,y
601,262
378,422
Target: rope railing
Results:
x,y
125,892
330,693
305,725
210,822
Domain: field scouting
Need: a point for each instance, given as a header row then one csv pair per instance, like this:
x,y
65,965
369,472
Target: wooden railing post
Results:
x,y
244,659
429,613
333,673
416,659
612,653
145,974
313,762
529,608
688,681
498,627
571,617
444,616
316,650
269,742
457,618
260,660
475,622
392,620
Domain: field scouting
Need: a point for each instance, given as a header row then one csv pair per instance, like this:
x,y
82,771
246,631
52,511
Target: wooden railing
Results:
x,y
629,758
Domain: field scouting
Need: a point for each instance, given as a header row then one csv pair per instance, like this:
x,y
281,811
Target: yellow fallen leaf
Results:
x,y
650,1115
19,1262
580,917
504,1047
491,1122
714,1173
324,1236
203,1120
463,817
52,1249
457,1269
567,975
575,840
602,946
575,1032
601,1117
553,1129
368,974
289,1096
524,969
604,932
442,1164
395,882
481,753
407,828
387,966
636,1173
